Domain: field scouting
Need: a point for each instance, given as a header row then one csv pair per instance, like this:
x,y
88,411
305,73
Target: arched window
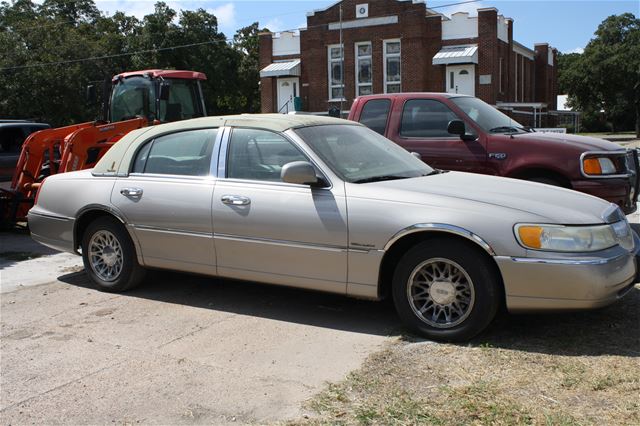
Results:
x,y
464,72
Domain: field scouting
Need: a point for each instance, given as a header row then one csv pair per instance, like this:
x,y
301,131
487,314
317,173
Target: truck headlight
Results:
x,y
595,166
574,238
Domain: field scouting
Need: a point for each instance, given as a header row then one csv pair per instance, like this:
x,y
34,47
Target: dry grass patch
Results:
x,y
581,368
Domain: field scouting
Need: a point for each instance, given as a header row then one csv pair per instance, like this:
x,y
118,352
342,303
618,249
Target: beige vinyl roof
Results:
x,y
117,159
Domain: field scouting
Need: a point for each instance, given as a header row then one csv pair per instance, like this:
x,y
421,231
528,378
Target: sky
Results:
x,y
567,25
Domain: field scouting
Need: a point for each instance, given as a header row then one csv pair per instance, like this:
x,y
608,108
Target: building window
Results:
x,y
392,68
336,64
363,69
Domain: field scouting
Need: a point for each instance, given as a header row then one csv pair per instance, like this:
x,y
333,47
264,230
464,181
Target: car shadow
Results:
x,y
614,330
259,300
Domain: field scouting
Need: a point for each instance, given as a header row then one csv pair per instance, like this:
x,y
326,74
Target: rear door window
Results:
x,y
375,113
184,153
426,118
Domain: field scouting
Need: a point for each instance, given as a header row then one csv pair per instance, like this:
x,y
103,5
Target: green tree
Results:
x,y
247,43
606,77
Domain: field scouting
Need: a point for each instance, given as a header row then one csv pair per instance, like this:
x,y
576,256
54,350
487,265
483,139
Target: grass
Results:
x,y
571,369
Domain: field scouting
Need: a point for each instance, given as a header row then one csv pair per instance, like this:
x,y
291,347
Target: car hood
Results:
x,y
548,203
582,143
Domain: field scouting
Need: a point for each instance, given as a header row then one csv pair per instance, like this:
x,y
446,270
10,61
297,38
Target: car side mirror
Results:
x,y
164,90
299,172
416,154
457,127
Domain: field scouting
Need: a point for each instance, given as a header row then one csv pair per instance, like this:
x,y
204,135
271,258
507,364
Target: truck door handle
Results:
x,y
235,200
131,192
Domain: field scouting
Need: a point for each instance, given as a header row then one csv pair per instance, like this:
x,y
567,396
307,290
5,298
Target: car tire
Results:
x,y
446,290
109,256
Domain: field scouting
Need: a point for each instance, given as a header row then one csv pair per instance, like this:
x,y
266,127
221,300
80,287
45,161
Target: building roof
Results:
x,y
117,159
457,55
278,69
155,73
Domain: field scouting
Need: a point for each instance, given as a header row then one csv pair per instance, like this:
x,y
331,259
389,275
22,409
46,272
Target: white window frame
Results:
x,y
384,59
330,61
357,65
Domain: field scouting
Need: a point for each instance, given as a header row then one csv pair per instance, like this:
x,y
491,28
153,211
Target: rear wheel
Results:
x,y
445,290
109,256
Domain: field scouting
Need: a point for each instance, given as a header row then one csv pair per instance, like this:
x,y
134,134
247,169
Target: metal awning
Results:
x,y
456,55
280,69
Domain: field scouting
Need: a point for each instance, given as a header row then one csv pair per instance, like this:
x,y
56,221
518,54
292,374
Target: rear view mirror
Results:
x,y
299,172
165,87
91,95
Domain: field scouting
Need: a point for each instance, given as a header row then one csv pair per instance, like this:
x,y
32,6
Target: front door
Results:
x,y
424,129
166,199
461,79
287,91
269,230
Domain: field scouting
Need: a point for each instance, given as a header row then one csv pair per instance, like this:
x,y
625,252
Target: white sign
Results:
x,y
362,10
485,79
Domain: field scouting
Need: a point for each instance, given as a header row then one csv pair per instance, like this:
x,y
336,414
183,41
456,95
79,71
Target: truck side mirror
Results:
x,y
91,95
164,91
456,127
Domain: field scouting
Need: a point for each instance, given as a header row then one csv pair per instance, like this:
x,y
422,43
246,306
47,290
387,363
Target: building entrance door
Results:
x,y
461,79
287,90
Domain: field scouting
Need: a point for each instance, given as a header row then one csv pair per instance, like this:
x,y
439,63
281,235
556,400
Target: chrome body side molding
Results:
x,y
441,227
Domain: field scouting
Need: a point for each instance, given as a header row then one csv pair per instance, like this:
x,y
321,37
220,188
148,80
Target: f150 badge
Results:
x,y
498,155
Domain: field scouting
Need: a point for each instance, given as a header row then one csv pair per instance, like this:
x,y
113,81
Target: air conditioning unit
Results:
x,y
362,10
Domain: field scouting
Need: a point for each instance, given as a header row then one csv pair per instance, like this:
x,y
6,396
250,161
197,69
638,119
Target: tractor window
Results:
x,y
183,102
131,98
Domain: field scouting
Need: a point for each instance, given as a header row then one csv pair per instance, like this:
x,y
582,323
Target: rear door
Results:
x,y
166,199
421,126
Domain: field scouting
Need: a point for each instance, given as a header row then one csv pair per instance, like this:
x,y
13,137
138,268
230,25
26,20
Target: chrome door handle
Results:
x,y
131,192
235,200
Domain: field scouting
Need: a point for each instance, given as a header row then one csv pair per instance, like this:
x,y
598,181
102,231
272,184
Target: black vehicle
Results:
x,y
12,134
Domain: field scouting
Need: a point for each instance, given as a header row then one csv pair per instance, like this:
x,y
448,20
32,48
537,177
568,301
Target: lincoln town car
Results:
x,y
326,204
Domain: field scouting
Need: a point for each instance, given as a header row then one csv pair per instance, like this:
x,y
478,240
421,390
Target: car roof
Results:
x,y
120,155
414,95
155,73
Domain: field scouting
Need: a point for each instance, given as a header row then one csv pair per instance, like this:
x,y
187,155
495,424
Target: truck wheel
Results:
x,y
444,290
109,256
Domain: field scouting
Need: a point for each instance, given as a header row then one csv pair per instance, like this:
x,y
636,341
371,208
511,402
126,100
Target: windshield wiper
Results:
x,y
505,129
380,178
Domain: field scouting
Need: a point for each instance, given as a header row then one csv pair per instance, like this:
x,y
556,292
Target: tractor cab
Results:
x,y
157,95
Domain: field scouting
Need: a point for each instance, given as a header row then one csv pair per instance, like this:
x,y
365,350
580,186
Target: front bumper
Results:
x,y
568,283
52,231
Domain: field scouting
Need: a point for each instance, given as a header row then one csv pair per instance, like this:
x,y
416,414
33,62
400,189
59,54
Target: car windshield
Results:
x,y
487,117
359,155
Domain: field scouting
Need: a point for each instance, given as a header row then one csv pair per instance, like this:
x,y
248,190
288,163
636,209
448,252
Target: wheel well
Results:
x,y
400,247
83,222
543,173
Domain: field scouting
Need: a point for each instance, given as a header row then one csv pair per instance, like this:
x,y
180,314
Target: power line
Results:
x,y
97,58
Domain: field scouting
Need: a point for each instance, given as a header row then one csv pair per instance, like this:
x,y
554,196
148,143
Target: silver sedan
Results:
x,y
327,204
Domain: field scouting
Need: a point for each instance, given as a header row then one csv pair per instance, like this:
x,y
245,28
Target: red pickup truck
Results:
x,y
456,132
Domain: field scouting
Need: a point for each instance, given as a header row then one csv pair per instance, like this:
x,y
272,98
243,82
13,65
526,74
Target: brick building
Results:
x,y
402,45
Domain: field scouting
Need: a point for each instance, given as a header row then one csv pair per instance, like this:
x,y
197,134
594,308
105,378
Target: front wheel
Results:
x,y
109,256
445,290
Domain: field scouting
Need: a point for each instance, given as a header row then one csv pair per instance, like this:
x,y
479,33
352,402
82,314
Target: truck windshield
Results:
x,y
359,155
132,97
183,103
487,117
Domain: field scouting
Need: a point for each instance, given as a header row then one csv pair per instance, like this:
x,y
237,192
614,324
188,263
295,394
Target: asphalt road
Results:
x,y
180,349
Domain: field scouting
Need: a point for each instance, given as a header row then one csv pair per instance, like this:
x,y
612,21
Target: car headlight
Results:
x,y
574,238
595,166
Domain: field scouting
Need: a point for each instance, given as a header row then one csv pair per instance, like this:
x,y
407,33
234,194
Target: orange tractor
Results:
x,y
136,99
